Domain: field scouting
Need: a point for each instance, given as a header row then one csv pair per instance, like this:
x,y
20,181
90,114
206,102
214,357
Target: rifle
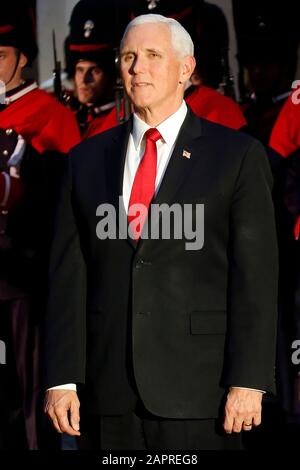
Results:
x,y
122,102
56,72
227,84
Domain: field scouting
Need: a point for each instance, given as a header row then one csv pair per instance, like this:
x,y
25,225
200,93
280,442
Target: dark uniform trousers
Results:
x,y
140,430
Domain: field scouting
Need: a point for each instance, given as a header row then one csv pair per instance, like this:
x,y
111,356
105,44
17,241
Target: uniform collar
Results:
x,y
20,91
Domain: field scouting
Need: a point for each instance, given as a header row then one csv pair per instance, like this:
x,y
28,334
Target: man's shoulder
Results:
x,y
45,101
225,146
222,135
105,139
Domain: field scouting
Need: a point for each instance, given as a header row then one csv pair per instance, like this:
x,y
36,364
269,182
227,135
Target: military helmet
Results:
x,y
95,31
17,28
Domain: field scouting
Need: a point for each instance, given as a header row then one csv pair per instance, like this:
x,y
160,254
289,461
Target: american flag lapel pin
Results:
x,y
186,154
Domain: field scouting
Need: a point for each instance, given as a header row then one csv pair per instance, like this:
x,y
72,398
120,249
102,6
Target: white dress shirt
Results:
x,y
169,130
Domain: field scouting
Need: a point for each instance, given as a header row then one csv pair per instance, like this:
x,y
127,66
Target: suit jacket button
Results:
x,y
138,264
142,263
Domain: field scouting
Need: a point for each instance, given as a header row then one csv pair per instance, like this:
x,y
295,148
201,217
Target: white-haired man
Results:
x,y
171,348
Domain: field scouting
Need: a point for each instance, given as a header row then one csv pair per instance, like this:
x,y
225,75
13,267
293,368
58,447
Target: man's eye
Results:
x,y
128,57
154,55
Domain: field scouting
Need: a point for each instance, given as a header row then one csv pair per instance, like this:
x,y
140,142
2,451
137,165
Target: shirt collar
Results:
x,y
169,128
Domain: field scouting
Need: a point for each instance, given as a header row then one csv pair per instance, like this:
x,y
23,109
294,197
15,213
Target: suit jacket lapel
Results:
x,y
116,170
179,165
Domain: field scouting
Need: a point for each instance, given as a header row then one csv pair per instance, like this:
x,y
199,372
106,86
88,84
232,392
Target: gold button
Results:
x,y
9,131
5,152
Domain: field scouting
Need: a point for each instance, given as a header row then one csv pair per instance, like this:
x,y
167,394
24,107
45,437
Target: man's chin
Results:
x,y
86,99
140,102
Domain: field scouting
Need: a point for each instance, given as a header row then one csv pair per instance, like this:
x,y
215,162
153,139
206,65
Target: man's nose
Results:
x,y
88,77
138,65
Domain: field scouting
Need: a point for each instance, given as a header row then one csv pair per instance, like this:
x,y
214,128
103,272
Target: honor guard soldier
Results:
x,y
285,141
285,137
267,51
267,41
35,132
95,29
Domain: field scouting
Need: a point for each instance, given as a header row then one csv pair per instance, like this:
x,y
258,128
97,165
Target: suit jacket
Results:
x,y
172,326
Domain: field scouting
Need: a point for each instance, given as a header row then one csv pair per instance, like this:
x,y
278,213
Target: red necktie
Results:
x,y
143,187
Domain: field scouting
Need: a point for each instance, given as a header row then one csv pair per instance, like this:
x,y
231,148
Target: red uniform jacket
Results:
x,y
45,124
102,123
285,137
210,104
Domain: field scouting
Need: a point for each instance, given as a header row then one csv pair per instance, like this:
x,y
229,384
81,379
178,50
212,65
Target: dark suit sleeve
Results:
x,y
65,320
253,277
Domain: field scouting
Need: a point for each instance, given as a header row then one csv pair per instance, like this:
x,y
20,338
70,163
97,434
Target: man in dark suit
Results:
x,y
171,346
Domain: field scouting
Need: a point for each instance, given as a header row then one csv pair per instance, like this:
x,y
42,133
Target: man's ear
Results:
x,y
188,67
23,60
